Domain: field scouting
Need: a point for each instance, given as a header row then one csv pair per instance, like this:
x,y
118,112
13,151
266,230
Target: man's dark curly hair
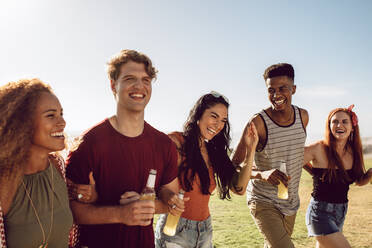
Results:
x,y
281,69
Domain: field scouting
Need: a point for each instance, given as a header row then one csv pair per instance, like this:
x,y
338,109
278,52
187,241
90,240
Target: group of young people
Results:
x,y
99,187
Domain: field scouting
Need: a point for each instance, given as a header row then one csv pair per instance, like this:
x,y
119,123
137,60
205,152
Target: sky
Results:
x,y
197,47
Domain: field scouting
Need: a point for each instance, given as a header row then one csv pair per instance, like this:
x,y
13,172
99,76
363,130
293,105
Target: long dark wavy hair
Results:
x,y
353,142
217,149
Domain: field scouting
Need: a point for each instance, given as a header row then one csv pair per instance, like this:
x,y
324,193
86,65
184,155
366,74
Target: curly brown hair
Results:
x,y
17,105
113,66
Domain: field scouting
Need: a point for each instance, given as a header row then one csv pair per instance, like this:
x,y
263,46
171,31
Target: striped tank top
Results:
x,y
283,143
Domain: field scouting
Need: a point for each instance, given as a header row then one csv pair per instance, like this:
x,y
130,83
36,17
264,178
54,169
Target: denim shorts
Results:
x,y
323,218
189,234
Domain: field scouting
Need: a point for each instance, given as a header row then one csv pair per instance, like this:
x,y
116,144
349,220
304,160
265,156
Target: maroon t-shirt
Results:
x,y
121,164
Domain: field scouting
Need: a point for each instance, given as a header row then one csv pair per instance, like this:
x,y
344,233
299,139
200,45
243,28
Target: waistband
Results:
x,y
194,224
327,205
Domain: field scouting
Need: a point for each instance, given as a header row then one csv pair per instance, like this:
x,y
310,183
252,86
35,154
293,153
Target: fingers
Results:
x,y
176,206
91,179
274,176
128,197
85,193
82,192
253,129
251,135
282,177
129,194
138,213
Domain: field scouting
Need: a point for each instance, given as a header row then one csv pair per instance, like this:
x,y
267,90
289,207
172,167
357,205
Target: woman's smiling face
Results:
x,y
49,124
340,125
212,121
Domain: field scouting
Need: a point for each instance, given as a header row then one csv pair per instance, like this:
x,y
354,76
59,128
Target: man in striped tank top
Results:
x,y
282,133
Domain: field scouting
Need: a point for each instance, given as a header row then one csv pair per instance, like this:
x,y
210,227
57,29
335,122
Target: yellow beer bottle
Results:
x,y
282,189
172,220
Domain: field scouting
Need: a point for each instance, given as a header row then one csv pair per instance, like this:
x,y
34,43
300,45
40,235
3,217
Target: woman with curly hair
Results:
x,y
204,163
34,205
337,162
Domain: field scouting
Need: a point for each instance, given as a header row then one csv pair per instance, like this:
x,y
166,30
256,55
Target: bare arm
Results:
x,y
134,213
365,178
307,167
271,176
168,197
168,194
240,152
250,141
315,154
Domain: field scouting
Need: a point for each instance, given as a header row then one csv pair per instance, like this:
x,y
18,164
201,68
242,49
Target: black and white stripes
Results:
x,y
284,143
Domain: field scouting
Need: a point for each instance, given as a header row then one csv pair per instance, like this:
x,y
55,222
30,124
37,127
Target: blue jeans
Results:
x,y
323,218
189,234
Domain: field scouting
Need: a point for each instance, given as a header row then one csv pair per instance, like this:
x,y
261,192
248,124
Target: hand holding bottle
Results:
x,y
283,189
176,203
137,213
172,219
139,209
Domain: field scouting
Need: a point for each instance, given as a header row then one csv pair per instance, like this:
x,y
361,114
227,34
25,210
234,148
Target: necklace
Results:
x,y
45,241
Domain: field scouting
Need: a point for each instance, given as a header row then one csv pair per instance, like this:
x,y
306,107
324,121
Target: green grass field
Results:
x,y
233,226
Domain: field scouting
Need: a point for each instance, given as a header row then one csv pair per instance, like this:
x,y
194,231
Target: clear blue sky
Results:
x,y
197,46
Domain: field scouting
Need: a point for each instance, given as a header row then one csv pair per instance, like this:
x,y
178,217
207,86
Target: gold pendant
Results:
x,y
43,245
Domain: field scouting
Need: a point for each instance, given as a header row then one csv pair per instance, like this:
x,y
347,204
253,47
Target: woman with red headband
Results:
x,y
337,162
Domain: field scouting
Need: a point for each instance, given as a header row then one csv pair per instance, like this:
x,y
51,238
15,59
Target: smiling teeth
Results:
x,y
211,130
137,95
57,134
279,102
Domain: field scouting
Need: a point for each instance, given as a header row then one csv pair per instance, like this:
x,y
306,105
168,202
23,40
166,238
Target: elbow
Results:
x,y
360,183
241,192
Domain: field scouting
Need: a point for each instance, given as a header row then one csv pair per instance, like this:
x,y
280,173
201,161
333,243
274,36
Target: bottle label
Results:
x,y
151,181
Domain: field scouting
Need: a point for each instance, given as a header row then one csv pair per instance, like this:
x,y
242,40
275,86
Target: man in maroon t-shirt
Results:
x,y
120,151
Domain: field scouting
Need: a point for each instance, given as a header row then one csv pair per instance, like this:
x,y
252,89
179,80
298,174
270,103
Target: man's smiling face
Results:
x,y
280,90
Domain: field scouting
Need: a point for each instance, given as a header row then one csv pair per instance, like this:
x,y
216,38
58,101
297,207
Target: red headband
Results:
x,y
354,118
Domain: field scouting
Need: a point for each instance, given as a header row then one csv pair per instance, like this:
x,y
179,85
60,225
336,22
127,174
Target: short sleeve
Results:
x,y
170,168
80,162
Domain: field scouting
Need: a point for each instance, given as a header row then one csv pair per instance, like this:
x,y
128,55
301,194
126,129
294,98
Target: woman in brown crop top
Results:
x,y
204,163
337,161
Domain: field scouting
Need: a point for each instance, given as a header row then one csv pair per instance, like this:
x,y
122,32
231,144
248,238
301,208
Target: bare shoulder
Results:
x,y
316,146
304,116
261,130
258,122
318,150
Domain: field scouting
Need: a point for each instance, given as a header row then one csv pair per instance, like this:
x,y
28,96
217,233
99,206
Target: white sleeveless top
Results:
x,y
283,143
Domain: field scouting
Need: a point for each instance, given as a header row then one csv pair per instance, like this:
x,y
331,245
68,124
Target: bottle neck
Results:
x,y
151,181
